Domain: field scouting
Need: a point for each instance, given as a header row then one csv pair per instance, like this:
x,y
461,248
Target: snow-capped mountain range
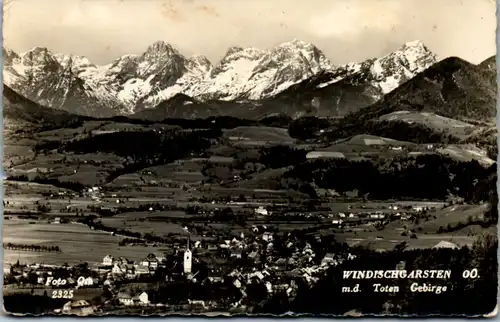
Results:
x,y
136,82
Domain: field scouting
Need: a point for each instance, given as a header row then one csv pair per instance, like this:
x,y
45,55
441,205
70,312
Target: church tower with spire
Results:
x,y
188,259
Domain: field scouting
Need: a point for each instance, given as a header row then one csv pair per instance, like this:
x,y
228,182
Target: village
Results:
x,y
223,260
238,273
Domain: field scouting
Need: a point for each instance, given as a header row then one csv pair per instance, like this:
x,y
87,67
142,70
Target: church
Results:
x,y
188,260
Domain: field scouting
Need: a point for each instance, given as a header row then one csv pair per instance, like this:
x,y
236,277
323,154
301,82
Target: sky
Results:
x,y
345,30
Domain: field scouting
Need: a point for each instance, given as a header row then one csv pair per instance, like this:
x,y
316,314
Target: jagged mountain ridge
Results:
x,y
334,92
41,77
357,85
133,83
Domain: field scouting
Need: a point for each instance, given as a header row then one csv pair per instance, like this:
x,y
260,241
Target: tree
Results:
x,y
256,292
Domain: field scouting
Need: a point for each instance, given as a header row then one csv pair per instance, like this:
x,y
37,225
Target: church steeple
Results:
x,y
187,259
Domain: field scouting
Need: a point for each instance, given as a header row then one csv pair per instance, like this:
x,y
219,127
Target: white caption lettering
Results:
x,y
473,273
55,282
82,281
62,294
428,288
385,288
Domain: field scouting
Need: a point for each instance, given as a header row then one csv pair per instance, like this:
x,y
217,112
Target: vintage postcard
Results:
x,y
217,157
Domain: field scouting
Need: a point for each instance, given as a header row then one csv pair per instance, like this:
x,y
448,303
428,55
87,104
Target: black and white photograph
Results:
x,y
250,158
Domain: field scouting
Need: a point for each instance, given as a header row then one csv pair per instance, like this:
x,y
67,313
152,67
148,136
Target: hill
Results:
x,y
433,121
452,88
184,106
19,108
261,133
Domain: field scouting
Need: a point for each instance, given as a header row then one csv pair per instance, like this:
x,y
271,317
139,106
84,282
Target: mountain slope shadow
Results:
x,y
17,107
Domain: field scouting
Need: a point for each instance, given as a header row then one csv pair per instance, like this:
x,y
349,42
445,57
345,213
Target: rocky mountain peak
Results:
x,y
9,56
199,62
38,56
159,49
123,62
238,59
38,51
401,65
414,55
414,44
76,63
296,45
303,52
247,53
233,50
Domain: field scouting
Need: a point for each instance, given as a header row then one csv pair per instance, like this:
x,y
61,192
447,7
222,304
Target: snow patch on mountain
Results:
x,y
389,72
394,69
134,82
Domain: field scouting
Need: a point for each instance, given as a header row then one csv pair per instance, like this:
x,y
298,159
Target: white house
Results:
x,y
269,287
197,303
108,260
261,211
328,260
79,307
119,269
125,298
236,253
150,261
267,236
337,222
142,299
445,244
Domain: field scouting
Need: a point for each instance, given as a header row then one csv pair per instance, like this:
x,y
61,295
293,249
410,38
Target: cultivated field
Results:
x,y
230,173
77,242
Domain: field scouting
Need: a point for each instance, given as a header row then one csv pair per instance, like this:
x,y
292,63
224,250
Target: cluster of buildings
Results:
x,y
279,263
250,261
353,218
122,267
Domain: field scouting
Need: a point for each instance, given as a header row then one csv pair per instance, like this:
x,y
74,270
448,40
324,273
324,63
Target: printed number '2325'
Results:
x,y
60,294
